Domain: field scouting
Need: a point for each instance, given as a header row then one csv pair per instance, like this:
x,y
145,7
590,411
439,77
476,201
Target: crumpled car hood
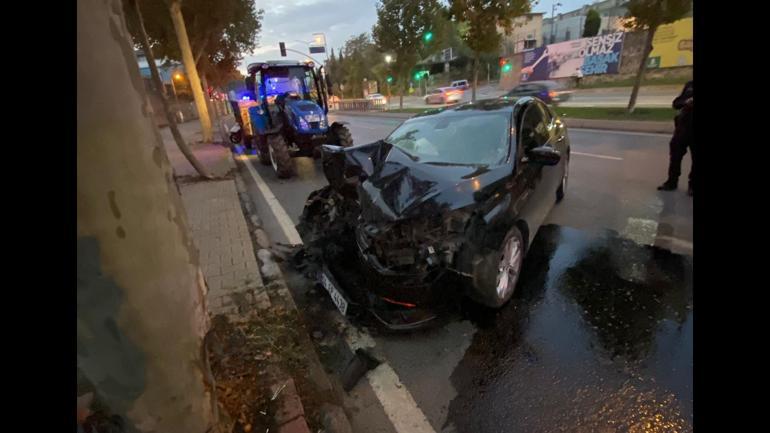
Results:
x,y
396,187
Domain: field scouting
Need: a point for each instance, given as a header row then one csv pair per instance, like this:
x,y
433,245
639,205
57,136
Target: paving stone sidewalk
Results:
x,y
218,226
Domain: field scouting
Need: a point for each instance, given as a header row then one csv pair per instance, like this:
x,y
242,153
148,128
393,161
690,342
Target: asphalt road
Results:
x,y
656,96
598,336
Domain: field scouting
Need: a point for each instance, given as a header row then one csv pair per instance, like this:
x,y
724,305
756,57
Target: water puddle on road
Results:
x,y
598,338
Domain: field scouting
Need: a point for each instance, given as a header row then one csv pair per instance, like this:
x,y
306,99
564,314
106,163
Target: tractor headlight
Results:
x,y
322,123
303,124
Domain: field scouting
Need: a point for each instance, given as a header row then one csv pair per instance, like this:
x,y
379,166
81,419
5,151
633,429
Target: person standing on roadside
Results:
x,y
682,140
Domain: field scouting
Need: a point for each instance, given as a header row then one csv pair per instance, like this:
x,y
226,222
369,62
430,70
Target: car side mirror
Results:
x,y
545,155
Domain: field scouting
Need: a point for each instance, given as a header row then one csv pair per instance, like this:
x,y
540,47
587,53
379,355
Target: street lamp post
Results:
x,y
553,19
176,76
388,60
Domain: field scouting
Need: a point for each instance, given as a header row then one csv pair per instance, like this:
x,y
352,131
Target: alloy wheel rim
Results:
x,y
509,268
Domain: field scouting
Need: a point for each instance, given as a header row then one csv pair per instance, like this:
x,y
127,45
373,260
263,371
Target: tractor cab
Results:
x,y
288,109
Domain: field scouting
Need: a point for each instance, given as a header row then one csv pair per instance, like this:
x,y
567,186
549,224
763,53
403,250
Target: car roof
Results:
x,y
504,104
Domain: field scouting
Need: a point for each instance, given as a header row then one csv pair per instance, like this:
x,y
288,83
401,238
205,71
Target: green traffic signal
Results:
x,y
427,36
389,79
507,67
417,76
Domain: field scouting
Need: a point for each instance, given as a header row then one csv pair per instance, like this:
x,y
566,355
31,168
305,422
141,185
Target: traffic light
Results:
x,y
419,74
505,66
389,79
427,37
282,46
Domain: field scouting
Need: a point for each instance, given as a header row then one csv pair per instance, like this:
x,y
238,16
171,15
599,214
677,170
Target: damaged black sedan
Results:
x,y
456,192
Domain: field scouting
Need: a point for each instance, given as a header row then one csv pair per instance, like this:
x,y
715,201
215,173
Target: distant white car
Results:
x,y
460,84
444,95
377,98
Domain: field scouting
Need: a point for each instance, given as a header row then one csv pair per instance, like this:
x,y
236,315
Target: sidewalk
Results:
x,y
254,343
218,225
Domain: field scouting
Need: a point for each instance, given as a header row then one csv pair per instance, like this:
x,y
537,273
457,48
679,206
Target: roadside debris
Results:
x,y
358,366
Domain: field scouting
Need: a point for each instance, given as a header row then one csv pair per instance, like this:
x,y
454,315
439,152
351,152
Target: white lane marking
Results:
x,y
593,155
398,403
287,226
610,131
396,400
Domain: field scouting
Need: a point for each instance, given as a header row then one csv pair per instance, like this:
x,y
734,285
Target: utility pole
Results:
x,y
192,72
553,19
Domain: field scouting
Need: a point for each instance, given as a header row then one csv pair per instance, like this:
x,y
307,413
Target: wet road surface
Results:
x,y
598,336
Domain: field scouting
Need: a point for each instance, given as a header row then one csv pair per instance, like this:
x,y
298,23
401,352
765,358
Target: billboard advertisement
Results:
x,y
586,56
672,45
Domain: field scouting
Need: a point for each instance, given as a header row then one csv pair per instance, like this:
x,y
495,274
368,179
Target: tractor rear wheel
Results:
x,y
262,150
280,157
342,136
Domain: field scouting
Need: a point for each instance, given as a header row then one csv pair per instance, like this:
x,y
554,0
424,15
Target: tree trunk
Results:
x,y
141,312
475,75
401,94
206,65
158,83
642,69
175,9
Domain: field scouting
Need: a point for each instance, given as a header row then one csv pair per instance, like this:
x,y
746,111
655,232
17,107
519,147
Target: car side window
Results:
x,y
534,128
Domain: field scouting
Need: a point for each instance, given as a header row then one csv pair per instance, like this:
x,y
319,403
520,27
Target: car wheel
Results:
x,y
563,185
280,157
495,278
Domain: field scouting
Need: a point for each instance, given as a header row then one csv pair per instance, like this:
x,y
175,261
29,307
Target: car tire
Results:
x,y
496,276
341,135
280,158
562,190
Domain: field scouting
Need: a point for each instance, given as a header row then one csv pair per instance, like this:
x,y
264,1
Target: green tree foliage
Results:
x,y
648,15
482,18
222,31
592,24
399,32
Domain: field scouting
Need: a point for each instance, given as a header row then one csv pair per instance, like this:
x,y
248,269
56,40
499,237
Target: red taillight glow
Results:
x,y
403,304
552,94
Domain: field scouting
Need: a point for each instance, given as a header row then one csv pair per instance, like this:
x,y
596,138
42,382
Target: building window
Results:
x,y
529,44
566,35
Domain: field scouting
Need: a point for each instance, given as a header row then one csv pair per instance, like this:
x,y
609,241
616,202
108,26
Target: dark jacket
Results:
x,y
684,119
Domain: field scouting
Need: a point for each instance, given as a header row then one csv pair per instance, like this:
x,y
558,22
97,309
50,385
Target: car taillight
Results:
x,y
552,94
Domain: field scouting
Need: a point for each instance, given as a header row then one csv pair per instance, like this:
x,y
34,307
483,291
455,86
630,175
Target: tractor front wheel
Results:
x,y
341,135
280,157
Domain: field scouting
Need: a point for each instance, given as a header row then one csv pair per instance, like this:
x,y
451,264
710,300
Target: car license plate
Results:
x,y
337,298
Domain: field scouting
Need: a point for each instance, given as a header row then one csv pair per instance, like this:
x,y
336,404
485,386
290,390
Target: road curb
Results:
x,y
608,125
333,416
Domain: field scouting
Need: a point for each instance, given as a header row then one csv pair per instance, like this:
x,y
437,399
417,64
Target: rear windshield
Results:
x,y
466,139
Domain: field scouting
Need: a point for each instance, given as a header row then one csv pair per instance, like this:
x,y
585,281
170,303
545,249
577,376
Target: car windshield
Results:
x,y
465,139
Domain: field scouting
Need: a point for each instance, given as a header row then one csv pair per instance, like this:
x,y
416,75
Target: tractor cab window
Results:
x,y
285,81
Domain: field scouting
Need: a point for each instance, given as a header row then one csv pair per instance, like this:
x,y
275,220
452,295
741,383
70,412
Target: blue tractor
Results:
x,y
284,113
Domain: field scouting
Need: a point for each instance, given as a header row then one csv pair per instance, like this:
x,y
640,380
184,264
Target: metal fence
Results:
x,y
359,105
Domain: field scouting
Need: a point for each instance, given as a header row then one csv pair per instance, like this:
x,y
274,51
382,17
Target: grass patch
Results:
x,y
617,113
